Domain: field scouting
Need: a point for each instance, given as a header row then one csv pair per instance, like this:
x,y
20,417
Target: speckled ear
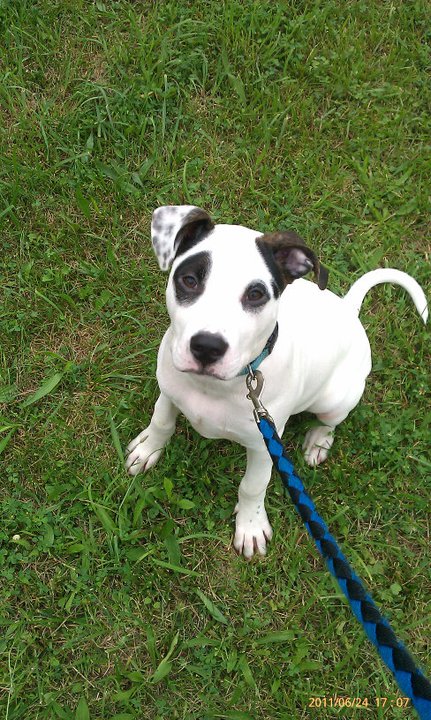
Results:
x,y
175,228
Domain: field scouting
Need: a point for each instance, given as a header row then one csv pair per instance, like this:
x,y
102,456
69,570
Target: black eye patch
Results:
x,y
190,277
256,295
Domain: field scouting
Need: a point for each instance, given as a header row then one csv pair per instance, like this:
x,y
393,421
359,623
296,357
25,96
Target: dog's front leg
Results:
x,y
253,530
146,448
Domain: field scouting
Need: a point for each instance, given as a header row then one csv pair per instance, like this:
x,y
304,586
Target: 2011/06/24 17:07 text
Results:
x,y
340,701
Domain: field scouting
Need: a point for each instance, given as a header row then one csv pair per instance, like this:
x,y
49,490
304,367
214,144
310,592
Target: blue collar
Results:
x,y
267,350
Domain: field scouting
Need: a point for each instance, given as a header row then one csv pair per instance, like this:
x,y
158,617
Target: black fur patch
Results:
x,y
277,282
190,277
196,226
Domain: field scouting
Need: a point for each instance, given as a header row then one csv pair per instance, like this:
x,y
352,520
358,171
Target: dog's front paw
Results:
x,y
317,444
142,453
252,532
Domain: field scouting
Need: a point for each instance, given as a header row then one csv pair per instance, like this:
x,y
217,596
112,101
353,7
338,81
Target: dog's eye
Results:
x,y
255,296
189,281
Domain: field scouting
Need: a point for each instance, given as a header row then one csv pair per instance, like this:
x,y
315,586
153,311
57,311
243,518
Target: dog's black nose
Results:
x,y
208,347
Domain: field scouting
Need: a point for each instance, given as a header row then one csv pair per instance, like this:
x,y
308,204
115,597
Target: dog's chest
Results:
x,y
210,415
212,418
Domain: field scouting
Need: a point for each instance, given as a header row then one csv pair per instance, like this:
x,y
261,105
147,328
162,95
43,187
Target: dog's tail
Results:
x,y
360,288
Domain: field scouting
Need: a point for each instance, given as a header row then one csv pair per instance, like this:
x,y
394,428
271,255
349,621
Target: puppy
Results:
x,y
236,297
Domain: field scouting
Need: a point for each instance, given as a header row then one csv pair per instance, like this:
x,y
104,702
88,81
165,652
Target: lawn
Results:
x,y
122,598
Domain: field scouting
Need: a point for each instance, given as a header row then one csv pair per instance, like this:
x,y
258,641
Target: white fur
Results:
x,y
319,363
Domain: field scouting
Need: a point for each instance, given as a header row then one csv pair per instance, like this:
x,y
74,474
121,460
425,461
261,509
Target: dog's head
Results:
x,y
224,287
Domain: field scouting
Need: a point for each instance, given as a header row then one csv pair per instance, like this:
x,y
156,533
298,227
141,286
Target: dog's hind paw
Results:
x,y
317,444
142,453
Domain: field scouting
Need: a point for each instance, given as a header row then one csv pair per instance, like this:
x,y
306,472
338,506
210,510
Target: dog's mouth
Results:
x,y
204,372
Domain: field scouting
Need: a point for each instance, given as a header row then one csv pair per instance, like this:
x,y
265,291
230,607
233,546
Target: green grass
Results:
x,y
122,598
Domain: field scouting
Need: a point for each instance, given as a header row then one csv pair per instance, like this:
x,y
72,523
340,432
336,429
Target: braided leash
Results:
x,y
408,676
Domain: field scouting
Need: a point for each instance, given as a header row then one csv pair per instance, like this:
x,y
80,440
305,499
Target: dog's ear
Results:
x,y
175,229
292,258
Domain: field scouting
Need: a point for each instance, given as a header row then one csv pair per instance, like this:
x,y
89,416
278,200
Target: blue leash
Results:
x,y
410,679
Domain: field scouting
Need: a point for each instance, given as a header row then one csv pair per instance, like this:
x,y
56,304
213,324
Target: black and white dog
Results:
x,y
232,300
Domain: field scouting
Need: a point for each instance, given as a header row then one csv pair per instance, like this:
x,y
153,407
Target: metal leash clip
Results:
x,y
255,384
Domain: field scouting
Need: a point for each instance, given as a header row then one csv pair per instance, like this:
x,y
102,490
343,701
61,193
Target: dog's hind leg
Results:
x,y
144,451
319,439
253,530
336,401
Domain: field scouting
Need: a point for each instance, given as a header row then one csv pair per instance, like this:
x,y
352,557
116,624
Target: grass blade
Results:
x,y
4,442
276,637
83,203
82,711
162,671
246,671
212,608
116,439
151,644
105,519
45,389
175,568
165,666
